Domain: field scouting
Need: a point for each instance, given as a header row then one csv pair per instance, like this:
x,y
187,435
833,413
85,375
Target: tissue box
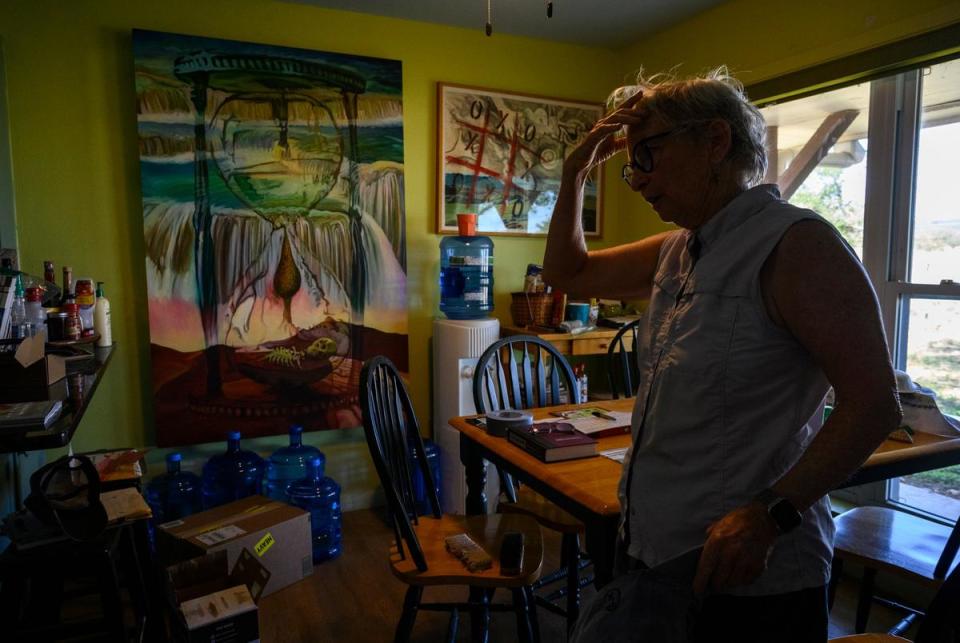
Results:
x,y
209,605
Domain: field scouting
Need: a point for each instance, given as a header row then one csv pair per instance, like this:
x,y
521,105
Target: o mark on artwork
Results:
x,y
476,109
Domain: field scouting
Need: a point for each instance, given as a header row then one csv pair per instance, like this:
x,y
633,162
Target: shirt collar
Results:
x,y
729,217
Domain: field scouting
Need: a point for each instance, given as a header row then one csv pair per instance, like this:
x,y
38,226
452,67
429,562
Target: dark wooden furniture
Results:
x,y
587,489
75,391
941,623
622,371
525,372
418,557
896,542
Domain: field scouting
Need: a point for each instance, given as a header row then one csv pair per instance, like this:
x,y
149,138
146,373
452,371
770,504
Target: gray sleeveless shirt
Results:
x,y
727,400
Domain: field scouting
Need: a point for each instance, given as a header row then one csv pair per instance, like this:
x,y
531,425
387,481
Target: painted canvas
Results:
x,y
501,155
273,216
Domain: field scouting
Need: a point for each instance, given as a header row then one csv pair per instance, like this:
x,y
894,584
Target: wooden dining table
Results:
x,y
587,487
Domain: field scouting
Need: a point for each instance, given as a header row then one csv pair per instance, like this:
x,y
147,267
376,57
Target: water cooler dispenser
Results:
x,y
457,344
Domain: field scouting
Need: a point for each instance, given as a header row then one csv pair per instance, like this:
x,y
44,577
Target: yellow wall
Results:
x,y
76,165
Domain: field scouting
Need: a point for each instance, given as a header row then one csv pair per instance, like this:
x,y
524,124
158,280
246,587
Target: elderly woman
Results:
x,y
756,308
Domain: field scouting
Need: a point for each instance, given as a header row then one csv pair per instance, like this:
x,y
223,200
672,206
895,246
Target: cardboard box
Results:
x,y
209,605
276,535
28,372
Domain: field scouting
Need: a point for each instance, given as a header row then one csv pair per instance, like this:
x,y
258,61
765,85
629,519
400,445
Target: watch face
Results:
x,y
785,515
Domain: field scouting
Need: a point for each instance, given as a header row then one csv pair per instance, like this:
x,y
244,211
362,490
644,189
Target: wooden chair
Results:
x,y
940,624
525,372
622,370
893,541
418,557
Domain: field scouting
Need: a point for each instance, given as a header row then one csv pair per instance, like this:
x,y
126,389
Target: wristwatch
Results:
x,y
784,514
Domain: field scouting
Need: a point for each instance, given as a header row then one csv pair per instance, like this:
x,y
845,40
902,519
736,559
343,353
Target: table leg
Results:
x,y
476,476
601,542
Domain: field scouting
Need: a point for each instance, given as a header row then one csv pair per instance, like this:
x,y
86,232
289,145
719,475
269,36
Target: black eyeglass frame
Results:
x,y
643,145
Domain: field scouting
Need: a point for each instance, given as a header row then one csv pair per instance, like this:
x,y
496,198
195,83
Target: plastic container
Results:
x,y
174,494
419,484
19,324
466,272
36,316
232,475
86,300
321,497
289,464
101,318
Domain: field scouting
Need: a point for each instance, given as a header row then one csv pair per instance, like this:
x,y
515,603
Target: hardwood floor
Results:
x,y
355,598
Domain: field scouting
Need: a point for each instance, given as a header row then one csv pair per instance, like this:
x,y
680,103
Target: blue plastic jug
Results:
x,y
321,497
466,272
174,494
289,464
419,485
232,475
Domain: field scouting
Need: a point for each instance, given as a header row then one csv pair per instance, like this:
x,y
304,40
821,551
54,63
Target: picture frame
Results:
x,y
500,154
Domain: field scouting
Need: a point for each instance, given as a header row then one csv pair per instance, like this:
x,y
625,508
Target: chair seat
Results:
x,y
443,568
530,503
892,540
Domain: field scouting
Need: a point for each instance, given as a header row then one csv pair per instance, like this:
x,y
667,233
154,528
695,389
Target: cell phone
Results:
x,y
511,553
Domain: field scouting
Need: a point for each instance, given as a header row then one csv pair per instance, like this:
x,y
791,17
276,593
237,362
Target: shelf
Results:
x,y
75,391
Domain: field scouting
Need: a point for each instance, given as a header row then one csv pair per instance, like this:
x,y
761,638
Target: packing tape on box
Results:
x,y
499,421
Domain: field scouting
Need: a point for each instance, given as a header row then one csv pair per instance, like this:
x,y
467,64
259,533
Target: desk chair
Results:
x,y
418,557
501,382
941,624
914,548
622,370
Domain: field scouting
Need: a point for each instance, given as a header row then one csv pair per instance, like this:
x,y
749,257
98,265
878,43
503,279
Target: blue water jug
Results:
x,y
321,497
232,475
174,494
466,272
289,464
419,485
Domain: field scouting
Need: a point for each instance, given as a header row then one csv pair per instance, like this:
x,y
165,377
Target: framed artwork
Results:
x,y
274,227
501,155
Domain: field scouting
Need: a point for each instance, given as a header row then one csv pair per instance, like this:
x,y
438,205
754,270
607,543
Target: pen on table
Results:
x,y
604,415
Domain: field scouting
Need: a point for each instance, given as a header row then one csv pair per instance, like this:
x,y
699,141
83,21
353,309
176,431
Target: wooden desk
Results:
x,y
587,488
594,342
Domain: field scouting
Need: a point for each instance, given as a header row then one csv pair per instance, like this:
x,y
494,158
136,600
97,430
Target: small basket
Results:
x,y
531,308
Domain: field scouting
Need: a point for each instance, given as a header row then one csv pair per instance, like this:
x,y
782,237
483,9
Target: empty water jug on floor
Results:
x,y
289,464
321,497
419,485
174,494
231,475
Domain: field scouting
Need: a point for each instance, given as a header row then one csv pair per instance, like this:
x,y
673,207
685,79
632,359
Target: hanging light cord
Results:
x,y
489,19
549,9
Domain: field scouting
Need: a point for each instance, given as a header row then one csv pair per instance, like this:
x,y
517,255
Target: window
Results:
x,y
879,160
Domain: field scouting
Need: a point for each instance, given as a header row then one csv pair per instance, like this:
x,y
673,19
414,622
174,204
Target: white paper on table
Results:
x,y
617,455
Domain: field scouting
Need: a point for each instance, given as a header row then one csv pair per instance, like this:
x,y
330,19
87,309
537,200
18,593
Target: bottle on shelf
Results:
x,y
231,475
101,318
174,494
466,272
86,300
320,496
419,484
289,464
19,324
49,274
36,316
67,295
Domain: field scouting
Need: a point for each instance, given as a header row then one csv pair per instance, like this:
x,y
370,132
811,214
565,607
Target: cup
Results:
x,y
578,311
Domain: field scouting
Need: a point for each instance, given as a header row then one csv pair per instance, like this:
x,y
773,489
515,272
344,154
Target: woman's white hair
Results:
x,y
715,95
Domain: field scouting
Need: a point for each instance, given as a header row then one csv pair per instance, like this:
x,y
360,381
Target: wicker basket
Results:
x,y
530,308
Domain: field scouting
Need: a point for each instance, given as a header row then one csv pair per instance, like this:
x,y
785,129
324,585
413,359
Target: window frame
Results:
x,y
896,94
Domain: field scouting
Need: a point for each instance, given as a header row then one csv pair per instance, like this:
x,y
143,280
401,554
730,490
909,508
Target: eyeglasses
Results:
x,y
641,158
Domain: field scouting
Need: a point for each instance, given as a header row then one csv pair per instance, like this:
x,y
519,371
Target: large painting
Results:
x,y
273,215
501,155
